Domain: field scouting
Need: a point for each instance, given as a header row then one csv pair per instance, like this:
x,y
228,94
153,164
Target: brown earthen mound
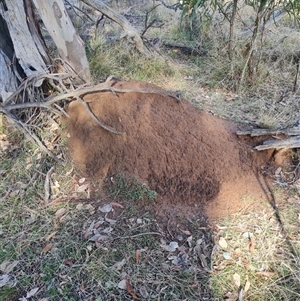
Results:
x,y
189,157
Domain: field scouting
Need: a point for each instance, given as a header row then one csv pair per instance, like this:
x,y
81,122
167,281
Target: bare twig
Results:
x,y
175,6
32,137
96,119
61,82
47,184
147,26
137,235
74,7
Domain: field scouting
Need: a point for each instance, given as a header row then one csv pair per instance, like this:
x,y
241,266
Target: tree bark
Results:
x,y
27,52
8,81
286,138
69,44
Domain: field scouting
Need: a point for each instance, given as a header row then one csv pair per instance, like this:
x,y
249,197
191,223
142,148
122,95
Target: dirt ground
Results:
x,y
194,161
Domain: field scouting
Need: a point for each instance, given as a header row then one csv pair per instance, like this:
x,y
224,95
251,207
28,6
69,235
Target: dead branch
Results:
x,y
137,235
277,143
81,92
130,32
198,50
96,119
149,25
293,131
16,106
175,6
291,142
274,18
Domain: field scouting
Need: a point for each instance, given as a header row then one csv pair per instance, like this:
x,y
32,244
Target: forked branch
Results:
x,y
62,92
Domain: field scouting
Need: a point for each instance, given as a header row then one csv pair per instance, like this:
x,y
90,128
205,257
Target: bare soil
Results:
x,y
194,161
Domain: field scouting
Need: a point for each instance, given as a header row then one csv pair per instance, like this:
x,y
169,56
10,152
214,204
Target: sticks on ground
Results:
x,y
291,138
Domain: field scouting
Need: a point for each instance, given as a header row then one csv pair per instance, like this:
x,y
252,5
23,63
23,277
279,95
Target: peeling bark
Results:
x,y
27,52
69,44
8,81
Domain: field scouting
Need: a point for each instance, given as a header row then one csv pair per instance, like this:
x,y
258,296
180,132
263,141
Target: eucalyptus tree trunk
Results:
x,y
69,45
23,53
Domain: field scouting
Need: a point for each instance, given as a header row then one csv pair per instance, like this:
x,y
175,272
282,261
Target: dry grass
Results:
x,y
46,245
76,268
271,265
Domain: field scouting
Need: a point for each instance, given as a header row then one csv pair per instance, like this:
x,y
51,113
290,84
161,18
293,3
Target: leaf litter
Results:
x,y
135,274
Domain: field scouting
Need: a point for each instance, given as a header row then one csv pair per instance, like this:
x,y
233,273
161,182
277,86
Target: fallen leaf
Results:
x,y
203,260
99,223
223,243
6,267
238,251
111,284
226,255
28,166
181,259
221,227
83,187
116,204
173,245
186,232
111,221
68,262
119,265
266,274
86,233
278,171
4,280
237,279
130,290
69,172
137,256
14,193
89,230
89,207
122,284
32,292
247,285
143,291
247,235
107,230
106,208
98,237
189,241
46,249
51,235
81,181
60,212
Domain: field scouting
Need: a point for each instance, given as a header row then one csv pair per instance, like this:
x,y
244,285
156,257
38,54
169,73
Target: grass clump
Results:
x,y
131,189
121,60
